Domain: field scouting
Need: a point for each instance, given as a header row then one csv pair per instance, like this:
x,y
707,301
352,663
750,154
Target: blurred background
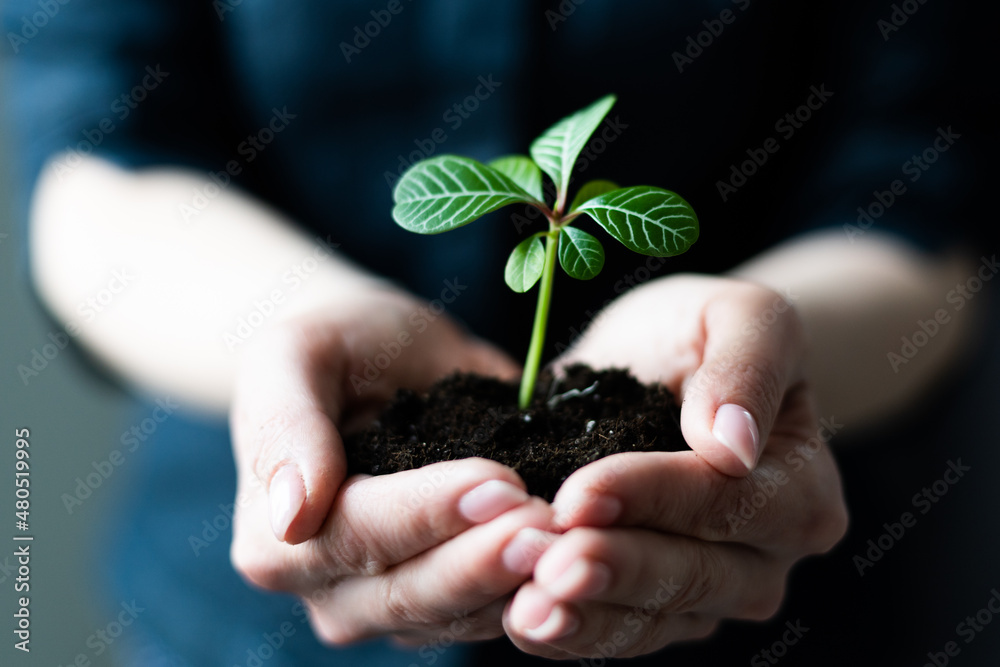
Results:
x,y
74,422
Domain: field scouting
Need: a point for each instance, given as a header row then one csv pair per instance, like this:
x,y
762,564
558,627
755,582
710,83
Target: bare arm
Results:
x,y
158,297
857,300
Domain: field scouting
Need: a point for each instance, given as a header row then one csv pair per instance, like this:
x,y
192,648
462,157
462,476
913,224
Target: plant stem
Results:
x,y
541,319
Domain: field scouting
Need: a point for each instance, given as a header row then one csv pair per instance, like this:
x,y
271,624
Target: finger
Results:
x,y
298,383
283,424
662,573
378,522
667,491
468,572
732,400
786,505
541,625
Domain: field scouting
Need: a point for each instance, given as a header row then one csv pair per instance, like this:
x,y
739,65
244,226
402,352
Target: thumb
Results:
x,y
283,427
731,401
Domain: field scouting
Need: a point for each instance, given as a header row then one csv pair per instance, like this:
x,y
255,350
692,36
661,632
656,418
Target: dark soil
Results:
x,y
467,415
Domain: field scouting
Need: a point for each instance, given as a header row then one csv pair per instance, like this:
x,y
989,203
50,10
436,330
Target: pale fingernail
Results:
x,y
285,496
560,623
489,500
736,429
581,579
522,552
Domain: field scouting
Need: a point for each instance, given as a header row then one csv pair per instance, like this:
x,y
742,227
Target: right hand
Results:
x,y
403,555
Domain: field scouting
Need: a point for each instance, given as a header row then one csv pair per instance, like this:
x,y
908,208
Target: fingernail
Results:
x,y
736,429
525,549
560,623
489,500
285,496
581,579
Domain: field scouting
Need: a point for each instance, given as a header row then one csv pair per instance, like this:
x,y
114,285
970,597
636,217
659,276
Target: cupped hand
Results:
x,y
408,555
659,547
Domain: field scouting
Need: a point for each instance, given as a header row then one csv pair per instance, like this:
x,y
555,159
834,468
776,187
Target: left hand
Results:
x,y
410,555
659,547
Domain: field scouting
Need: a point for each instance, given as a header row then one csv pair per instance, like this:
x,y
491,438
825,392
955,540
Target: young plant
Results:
x,y
445,192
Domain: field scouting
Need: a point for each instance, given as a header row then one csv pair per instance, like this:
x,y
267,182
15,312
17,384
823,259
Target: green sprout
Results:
x,y
446,192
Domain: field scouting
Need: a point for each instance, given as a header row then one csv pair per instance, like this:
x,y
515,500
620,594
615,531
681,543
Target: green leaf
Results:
x,y
558,148
521,170
580,254
645,219
524,266
591,190
445,192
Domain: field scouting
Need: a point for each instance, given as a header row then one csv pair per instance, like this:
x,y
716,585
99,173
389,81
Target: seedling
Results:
x,y
446,192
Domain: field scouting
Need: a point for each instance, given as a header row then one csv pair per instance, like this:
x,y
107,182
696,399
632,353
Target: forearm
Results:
x,y
169,302
857,301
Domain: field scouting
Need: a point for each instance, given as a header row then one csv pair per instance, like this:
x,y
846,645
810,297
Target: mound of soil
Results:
x,y
572,421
